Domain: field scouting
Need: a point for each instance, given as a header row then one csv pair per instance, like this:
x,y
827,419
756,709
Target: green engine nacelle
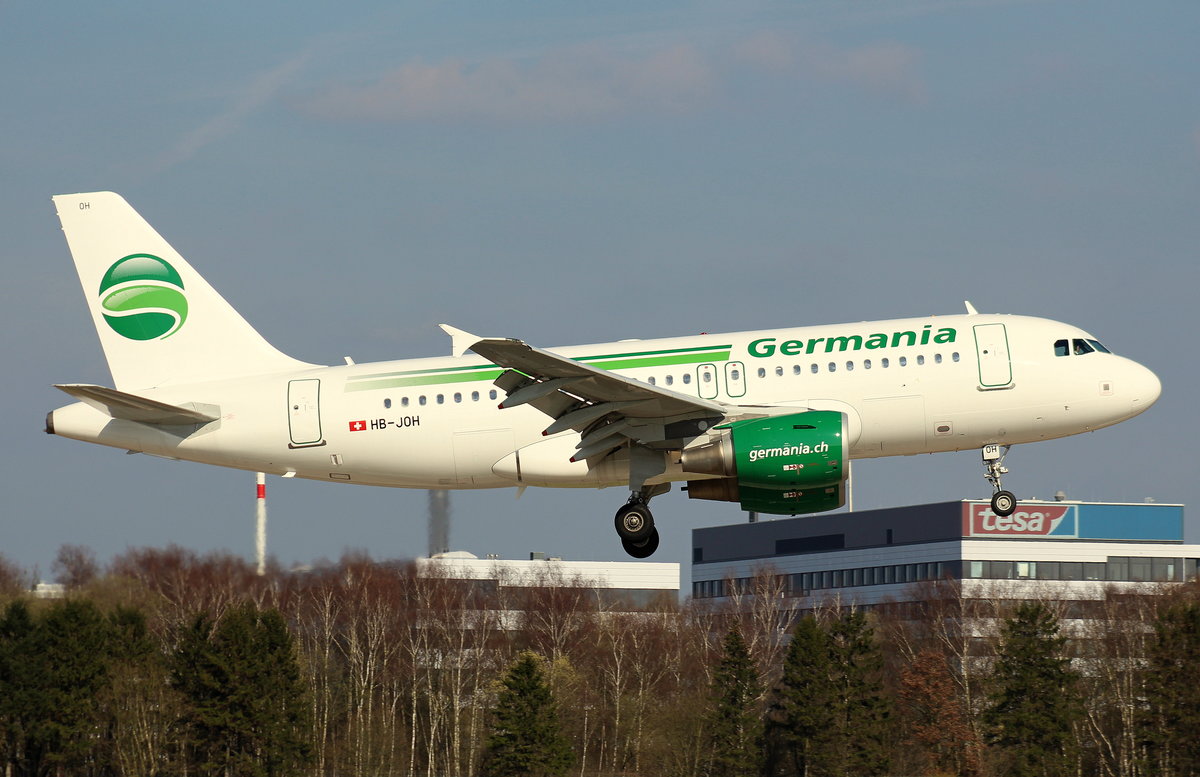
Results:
x,y
785,465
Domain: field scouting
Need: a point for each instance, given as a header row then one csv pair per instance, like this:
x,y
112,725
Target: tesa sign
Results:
x,y
1029,520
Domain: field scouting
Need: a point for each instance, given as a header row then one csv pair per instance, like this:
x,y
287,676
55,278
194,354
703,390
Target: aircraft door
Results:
x,y
706,376
304,413
735,379
991,349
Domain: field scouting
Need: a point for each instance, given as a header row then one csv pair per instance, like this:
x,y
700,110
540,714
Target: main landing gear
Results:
x,y
635,523
1003,502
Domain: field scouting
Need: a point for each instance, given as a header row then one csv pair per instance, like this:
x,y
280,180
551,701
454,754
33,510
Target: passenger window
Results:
x,y
737,375
707,377
762,372
652,381
474,396
797,369
457,397
421,400
815,369
937,358
866,364
687,377
670,380
903,361
387,403
779,372
954,356
441,399
403,401
885,362
832,366
492,394
920,359
1060,348
849,366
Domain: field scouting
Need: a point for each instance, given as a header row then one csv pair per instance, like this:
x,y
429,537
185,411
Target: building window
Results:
x,y
1165,569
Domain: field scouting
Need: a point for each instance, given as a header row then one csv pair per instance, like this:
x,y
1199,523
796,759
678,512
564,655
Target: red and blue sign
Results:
x,y
1078,520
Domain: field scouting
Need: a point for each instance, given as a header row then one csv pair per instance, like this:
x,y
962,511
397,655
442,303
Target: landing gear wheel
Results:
x,y
1003,503
635,524
645,549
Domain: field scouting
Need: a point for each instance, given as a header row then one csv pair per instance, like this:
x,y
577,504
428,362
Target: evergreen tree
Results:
x,y
18,695
246,709
52,670
801,715
1032,704
526,736
828,713
1171,723
862,709
735,726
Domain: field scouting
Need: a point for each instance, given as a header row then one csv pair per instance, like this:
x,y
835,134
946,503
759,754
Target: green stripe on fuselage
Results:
x,y
638,360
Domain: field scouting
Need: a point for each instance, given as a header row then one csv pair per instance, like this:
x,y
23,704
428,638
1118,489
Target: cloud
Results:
x,y
584,82
889,68
258,91
595,81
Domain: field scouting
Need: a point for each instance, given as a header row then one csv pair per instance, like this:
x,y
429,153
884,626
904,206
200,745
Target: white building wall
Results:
x,y
615,575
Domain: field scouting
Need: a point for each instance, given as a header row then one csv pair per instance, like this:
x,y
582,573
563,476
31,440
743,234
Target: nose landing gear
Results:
x,y
1003,502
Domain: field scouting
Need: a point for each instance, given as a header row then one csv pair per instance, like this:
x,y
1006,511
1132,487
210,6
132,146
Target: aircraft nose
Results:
x,y
1146,388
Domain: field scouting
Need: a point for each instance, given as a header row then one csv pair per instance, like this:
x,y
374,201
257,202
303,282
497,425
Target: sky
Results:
x,y
350,176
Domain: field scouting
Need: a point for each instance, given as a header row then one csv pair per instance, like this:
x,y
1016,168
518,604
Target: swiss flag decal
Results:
x,y
358,426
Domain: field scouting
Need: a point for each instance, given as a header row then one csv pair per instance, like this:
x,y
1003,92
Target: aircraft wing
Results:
x,y
577,395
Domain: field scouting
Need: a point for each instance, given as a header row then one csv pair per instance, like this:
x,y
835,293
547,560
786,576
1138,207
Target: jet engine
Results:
x,y
785,465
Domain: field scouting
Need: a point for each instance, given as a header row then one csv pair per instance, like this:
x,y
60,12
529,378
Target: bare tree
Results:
x,y
75,566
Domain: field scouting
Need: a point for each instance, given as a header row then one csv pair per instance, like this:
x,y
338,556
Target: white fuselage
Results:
x,y
907,386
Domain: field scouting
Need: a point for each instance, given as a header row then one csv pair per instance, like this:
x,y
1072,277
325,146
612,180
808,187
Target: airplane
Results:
x,y
767,419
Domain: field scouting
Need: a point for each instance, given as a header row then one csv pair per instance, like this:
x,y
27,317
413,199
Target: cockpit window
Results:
x,y
1078,347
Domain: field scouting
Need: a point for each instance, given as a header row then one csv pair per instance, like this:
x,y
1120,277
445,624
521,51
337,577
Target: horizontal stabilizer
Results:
x,y
130,407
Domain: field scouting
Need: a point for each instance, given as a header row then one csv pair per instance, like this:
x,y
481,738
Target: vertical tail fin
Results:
x,y
159,321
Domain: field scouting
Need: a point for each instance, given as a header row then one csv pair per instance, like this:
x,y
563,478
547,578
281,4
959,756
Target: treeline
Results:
x,y
166,663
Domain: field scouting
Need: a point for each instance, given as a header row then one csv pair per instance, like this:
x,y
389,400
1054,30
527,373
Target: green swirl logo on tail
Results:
x,y
142,298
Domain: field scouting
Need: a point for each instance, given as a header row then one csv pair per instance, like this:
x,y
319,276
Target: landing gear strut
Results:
x,y
635,524
1003,502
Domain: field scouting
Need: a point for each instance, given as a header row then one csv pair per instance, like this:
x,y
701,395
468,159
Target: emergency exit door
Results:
x,y
991,348
304,413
